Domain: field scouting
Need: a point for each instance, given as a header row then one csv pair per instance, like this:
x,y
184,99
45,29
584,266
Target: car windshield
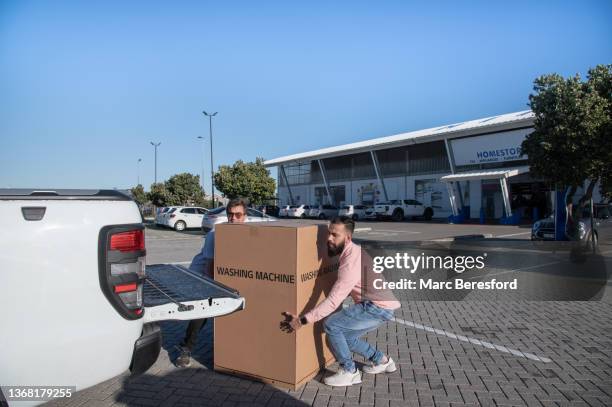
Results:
x,y
293,207
346,207
256,213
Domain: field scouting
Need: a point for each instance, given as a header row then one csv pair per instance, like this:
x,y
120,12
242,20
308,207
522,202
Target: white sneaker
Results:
x,y
343,378
388,367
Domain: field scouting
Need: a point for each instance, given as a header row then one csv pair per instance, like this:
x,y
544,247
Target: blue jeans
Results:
x,y
344,328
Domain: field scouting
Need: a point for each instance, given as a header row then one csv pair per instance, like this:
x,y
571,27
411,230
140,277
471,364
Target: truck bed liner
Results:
x,y
174,292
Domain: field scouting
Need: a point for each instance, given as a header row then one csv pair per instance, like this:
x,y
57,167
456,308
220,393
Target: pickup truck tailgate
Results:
x,y
173,292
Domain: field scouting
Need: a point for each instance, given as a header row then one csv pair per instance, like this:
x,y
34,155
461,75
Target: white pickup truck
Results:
x,y
78,305
397,210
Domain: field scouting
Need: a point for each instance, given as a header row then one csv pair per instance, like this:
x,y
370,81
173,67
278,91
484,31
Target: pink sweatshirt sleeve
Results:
x,y
349,274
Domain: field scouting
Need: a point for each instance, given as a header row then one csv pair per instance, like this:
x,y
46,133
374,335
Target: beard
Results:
x,y
334,250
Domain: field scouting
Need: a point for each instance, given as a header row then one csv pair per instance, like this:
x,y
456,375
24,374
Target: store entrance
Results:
x,y
527,196
492,200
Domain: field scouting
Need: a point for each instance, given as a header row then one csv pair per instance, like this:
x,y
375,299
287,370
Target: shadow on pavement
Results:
x,y
198,385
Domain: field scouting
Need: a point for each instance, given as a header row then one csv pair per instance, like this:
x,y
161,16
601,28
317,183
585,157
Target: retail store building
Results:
x,y
474,168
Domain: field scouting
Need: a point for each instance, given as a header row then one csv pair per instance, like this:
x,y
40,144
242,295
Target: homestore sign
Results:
x,y
490,148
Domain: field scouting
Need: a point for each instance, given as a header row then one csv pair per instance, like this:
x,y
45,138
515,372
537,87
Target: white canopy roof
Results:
x,y
491,174
502,122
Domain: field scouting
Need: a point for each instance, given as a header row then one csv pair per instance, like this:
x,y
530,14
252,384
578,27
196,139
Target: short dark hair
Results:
x,y
348,223
236,202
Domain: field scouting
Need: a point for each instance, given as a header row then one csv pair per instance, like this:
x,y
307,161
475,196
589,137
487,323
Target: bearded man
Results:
x,y
345,327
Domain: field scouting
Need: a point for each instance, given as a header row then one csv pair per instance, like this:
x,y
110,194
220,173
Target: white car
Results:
x,y
397,210
218,215
298,211
355,212
370,213
165,216
184,218
414,209
283,211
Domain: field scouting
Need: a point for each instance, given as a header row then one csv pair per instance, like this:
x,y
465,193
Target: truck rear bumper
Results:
x,y
146,349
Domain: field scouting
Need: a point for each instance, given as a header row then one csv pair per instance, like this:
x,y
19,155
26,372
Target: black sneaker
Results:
x,y
184,359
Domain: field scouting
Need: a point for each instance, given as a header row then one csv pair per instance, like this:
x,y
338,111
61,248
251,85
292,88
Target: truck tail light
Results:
x,y
121,264
128,241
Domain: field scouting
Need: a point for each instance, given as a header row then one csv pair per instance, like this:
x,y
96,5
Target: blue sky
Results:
x,y
85,86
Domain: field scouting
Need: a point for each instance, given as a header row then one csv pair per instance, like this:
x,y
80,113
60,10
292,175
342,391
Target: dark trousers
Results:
x,y
191,336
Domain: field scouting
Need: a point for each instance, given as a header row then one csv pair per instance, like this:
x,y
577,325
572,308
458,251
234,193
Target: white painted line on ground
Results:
x,y
474,341
363,229
515,234
180,263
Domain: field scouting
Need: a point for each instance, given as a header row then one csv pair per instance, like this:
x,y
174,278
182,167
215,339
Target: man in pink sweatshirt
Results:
x,y
345,327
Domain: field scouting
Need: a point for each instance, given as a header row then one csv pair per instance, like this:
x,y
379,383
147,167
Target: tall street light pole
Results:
x,y
138,165
155,145
212,176
202,140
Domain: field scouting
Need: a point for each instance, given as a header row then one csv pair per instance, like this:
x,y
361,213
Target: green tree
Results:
x,y
572,136
247,180
139,195
184,189
158,195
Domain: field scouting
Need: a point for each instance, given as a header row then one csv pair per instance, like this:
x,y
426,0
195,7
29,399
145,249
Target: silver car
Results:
x,y
587,237
218,215
355,212
323,211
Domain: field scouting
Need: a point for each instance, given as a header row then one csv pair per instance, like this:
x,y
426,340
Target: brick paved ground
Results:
x,y
547,354
453,353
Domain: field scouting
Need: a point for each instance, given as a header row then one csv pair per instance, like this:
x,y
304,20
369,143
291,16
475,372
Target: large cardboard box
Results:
x,y
276,266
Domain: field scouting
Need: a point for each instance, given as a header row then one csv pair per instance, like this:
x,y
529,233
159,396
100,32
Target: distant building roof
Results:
x,y
493,123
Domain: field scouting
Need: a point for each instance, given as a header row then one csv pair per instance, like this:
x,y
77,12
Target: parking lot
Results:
x,y
167,246
474,350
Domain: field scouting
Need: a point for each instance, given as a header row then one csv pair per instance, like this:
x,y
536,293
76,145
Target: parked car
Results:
x,y
370,213
165,218
77,263
271,210
298,211
397,210
218,215
544,229
389,210
159,215
283,211
323,212
184,218
355,212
